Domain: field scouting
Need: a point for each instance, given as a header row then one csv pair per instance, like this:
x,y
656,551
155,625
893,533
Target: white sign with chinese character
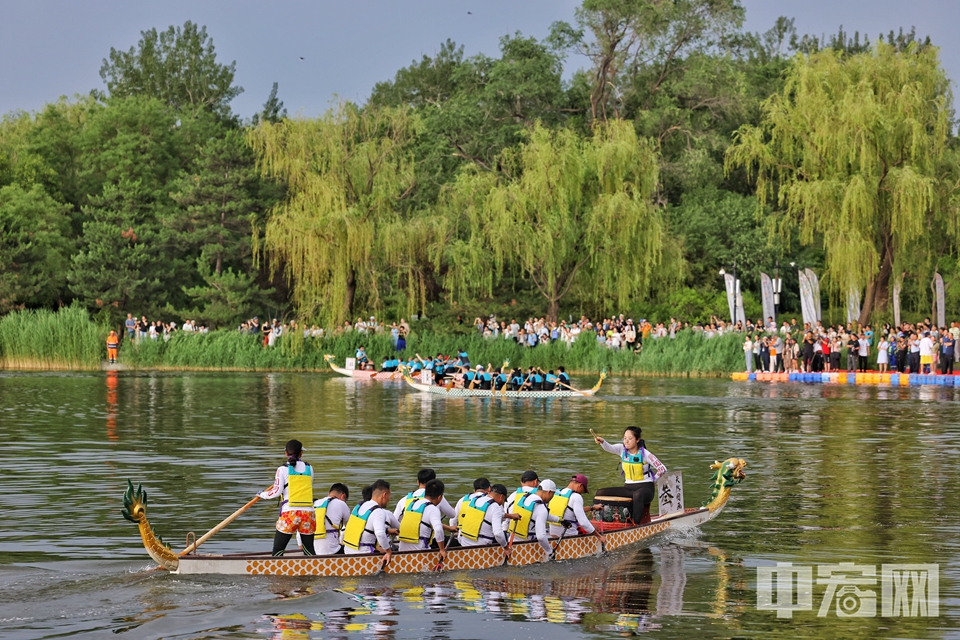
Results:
x,y
351,364
670,492
426,377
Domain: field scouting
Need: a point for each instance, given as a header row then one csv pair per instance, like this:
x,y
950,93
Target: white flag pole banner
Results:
x,y
853,305
766,294
741,316
815,290
806,300
941,307
728,281
896,301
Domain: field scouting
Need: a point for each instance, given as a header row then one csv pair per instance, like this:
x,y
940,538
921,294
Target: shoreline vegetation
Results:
x,y
68,340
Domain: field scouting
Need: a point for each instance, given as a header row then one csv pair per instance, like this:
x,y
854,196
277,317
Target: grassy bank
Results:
x,y
66,339
688,354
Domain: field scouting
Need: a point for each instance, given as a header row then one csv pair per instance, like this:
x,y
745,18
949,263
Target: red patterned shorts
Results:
x,y
302,521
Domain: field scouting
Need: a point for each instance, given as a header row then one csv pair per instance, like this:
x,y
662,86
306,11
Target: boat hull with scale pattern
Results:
x,y
729,473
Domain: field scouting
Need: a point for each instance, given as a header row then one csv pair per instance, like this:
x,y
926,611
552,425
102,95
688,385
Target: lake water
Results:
x,y
837,474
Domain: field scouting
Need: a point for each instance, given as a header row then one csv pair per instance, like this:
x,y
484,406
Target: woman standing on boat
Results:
x,y
640,470
294,480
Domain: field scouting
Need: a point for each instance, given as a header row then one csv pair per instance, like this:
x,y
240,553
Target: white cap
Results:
x,y
479,367
547,485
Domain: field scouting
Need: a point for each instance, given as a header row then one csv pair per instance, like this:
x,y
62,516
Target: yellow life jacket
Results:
x,y
473,516
464,503
524,506
634,468
300,487
357,526
412,520
410,499
323,522
558,504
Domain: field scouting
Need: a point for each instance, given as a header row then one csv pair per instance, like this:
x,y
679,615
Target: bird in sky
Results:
x,y
301,57
469,13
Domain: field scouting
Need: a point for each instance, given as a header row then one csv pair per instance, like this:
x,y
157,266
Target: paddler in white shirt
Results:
x,y
294,481
423,477
481,487
534,516
528,484
332,515
371,523
567,504
482,520
422,522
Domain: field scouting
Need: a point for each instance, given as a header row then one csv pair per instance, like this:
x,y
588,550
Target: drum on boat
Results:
x,y
615,508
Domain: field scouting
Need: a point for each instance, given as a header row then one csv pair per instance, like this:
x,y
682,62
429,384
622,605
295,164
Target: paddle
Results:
x,y
566,527
446,544
583,393
506,556
233,516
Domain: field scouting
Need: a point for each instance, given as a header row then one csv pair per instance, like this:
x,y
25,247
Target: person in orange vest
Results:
x,y
113,344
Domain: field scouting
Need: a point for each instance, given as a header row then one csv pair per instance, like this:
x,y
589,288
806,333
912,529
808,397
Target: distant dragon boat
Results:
x,y
728,474
365,374
451,391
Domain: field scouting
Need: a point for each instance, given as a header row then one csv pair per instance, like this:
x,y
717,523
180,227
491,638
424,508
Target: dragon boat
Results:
x,y
365,374
618,535
451,391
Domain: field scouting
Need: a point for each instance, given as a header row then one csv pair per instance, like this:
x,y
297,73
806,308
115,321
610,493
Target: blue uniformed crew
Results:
x,y
550,381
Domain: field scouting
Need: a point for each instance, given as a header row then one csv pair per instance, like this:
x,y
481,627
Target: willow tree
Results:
x,y
338,228
850,151
565,208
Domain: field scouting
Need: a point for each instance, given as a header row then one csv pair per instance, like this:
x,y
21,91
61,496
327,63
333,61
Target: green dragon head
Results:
x,y
135,509
729,473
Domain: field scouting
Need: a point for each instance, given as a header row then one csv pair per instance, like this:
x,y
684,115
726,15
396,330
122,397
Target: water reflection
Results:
x,y
112,406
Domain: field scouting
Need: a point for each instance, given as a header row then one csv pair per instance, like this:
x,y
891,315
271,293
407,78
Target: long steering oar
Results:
x,y
583,393
209,534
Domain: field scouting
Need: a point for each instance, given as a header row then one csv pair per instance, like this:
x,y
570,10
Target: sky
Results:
x,y
54,48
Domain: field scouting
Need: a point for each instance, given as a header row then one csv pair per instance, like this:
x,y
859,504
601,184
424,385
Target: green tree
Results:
x,y
178,67
134,150
851,151
219,196
273,109
339,227
566,208
34,247
471,109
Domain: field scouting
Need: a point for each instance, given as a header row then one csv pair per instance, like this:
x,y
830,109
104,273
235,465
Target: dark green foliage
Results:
x,y
178,67
34,247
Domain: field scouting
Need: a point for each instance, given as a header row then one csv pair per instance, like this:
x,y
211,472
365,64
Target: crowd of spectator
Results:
x,y
142,329
908,348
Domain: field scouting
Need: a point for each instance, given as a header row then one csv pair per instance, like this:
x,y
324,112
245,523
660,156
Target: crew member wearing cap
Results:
x,y
640,470
532,509
482,519
567,504
528,484
293,480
